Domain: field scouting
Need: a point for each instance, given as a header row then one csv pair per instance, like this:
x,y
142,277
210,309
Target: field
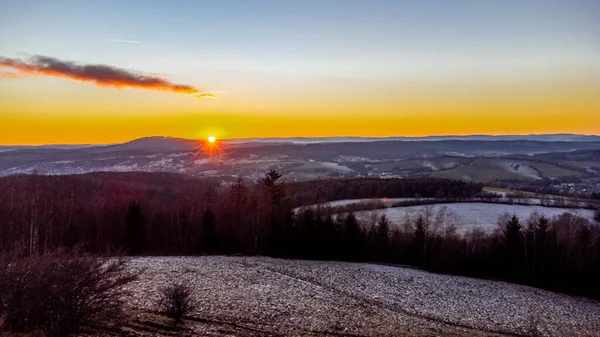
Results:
x,y
385,201
257,296
432,164
487,170
554,171
472,215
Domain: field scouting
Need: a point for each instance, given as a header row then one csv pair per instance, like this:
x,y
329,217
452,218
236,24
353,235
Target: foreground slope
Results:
x,y
265,296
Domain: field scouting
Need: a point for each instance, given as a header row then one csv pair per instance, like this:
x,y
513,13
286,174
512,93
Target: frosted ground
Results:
x,y
475,215
557,202
265,296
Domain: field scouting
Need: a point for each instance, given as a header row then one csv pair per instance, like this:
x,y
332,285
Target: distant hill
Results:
x,y
300,158
153,144
309,140
160,143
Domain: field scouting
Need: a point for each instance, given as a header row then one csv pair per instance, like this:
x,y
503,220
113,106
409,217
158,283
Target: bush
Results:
x,y
176,301
597,215
62,293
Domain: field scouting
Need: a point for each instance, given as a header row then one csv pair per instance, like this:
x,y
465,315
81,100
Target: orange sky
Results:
x,y
70,112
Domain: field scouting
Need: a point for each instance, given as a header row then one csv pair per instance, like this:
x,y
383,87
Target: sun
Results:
x,y
211,139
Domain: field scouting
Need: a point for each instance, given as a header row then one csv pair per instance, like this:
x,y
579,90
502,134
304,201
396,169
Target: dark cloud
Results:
x,y
98,74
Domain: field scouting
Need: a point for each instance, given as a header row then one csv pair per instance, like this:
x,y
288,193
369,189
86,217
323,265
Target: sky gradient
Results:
x,y
310,68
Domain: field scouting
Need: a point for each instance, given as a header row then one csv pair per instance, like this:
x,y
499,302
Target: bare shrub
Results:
x,y
62,293
176,301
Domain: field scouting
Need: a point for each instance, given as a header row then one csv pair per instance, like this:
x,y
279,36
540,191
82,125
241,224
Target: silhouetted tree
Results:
x,y
209,233
41,213
330,238
420,241
351,237
382,236
541,248
134,228
512,240
280,214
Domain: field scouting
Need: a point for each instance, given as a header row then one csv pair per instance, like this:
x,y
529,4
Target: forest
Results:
x,y
170,214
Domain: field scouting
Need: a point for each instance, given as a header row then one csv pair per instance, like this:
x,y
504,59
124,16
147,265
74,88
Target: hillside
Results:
x,y
254,296
313,159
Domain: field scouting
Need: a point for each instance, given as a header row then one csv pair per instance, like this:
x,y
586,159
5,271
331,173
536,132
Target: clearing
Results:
x,y
257,296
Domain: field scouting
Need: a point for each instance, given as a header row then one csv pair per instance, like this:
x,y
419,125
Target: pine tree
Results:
x,y
330,238
352,237
209,234
420,240
279,222
541,244
382,234
275,186
134,229
512,239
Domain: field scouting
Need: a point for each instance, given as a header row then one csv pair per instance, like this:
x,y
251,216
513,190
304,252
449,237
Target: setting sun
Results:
x,y
211,139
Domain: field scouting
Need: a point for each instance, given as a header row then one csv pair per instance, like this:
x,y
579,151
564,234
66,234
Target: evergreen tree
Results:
x,y
209,233
279,218
275,186
382,236
420,241
541,247
512,240
352,237
134,229
330,239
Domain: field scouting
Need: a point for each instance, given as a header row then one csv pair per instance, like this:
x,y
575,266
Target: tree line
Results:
x,y
163,213
169,214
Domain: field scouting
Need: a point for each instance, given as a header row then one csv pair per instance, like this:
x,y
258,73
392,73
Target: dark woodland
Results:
x,y
170,214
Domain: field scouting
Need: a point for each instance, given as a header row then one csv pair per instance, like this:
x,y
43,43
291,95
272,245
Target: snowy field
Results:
x,y
391,201
473,215
386,201
268,296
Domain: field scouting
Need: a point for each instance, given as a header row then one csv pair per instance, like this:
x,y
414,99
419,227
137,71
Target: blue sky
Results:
x,y
301,36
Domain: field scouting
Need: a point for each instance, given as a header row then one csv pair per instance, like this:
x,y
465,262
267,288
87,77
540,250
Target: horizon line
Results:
x,y
308,137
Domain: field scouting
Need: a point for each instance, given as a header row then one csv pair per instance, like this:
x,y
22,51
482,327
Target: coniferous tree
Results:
x,y
278,213
209,234
134,229
382,236
352,237
420,241
541,247
330,238
512,240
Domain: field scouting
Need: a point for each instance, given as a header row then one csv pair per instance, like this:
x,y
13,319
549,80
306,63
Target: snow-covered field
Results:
x,y
472,215
294,297
556,202
385,201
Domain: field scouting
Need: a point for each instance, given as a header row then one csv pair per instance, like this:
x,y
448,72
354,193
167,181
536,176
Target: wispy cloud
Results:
x,y
122,41
98,74
207,95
